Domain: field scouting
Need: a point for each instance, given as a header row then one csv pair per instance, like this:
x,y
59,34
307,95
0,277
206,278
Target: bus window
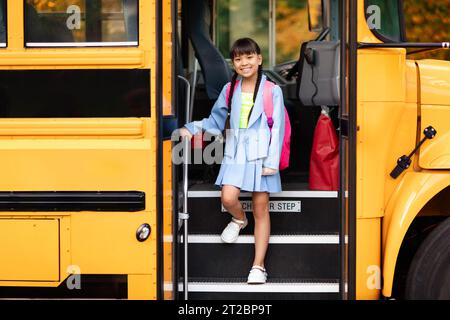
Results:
x,y
81,23
237,19
279,37
75,93
291,29
383,18
2,23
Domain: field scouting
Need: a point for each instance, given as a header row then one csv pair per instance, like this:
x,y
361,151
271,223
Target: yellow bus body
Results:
x,y
82,154
394,96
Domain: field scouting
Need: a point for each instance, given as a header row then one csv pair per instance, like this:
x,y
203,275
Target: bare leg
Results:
x,y
230,200
262,226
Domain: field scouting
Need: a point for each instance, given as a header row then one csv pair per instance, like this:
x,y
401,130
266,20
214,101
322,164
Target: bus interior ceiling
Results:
x,y
198,55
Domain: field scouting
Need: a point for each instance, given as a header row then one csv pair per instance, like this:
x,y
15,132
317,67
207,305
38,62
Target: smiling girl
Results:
x,y
252,150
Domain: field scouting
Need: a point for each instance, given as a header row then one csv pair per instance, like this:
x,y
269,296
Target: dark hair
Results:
x,y
244,46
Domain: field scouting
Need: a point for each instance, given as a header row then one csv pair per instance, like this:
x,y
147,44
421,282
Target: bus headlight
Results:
x,y
143,232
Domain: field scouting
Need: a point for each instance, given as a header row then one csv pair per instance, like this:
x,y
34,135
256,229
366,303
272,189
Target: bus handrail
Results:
x,y
184,216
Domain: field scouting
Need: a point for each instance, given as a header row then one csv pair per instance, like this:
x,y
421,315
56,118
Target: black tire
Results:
x,y
429,274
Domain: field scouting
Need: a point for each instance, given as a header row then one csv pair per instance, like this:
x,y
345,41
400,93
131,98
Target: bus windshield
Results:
x,y
279,27
383,18
410,21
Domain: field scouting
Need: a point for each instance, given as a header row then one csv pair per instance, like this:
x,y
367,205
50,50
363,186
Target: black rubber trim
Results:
x,y
343,140
93,286
129,201
352,129
175,177
159,154
406,45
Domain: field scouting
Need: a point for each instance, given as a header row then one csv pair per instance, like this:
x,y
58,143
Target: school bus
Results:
x,y
94,205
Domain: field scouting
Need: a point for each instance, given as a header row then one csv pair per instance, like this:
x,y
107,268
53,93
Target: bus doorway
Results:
x,y
303,258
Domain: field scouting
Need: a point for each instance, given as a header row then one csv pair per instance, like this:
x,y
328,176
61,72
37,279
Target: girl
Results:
x,y
252,150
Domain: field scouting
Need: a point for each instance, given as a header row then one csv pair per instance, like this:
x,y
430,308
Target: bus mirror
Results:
x,y
315,15
319,73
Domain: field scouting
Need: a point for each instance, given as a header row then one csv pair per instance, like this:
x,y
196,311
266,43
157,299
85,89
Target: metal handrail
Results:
x,y
184,216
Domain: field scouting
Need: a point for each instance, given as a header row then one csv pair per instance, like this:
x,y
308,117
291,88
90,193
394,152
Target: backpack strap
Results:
x,y
268,101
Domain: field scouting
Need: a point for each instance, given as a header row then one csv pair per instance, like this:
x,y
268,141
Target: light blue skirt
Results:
x,y
246,175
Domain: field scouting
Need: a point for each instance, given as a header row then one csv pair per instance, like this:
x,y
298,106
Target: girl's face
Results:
x,y
246,65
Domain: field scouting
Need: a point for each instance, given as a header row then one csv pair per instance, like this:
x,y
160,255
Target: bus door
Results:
x,y
305,249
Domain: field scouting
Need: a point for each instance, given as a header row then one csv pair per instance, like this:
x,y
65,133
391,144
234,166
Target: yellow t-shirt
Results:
x,y
247,103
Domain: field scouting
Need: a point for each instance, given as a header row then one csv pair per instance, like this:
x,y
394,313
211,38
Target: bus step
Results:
x,y
288,256
294,212
237,289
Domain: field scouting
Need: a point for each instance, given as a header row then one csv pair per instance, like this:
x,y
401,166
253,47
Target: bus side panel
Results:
x,y
29,250
101,242
435,111
435,154
368,270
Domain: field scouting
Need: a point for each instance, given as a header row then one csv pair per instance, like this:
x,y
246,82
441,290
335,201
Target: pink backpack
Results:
x,y
268,109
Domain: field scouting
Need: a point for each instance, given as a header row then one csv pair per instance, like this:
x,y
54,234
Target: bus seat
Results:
x,y
216,71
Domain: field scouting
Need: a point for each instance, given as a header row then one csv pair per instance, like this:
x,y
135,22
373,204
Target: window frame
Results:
x,y
85,44
4,45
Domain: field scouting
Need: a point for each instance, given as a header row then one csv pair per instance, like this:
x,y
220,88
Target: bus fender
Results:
x,y
414,191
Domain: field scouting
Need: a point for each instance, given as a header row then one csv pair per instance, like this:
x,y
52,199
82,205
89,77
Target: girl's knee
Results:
x,y
260,215
229,200
261,208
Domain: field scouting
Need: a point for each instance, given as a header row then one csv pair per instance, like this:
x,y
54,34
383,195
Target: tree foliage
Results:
x,y
54,6
428,21
291,29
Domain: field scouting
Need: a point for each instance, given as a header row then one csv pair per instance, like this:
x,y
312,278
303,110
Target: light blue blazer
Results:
x,y
259,142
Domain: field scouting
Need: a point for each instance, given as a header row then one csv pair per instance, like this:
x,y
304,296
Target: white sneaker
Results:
x,y
231,232
257,275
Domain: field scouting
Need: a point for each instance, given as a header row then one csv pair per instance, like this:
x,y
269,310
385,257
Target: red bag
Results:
x,y
324,165
197,141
